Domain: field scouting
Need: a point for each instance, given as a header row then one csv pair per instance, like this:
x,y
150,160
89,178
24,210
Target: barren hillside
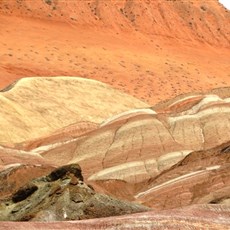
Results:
x,y
174,159
112,107
153,50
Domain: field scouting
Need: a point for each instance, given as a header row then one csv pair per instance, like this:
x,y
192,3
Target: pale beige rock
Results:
x,y
134,142
35,107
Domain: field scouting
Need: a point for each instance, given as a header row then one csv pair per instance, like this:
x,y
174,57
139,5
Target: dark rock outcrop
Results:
x,y
62,195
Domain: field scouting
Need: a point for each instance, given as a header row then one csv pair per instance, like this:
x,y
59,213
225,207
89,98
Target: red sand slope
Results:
x,y
151,49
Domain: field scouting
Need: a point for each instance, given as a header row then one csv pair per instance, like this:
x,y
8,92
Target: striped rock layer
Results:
x,y
168,156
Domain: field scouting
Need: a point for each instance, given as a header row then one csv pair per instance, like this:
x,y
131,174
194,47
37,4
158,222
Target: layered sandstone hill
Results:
x,y
35,107
174,156
146,154
153,50
200,178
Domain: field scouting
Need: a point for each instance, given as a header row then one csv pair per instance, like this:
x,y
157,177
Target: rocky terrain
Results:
x,y
172,155
195,217
140,140
144,145
62,195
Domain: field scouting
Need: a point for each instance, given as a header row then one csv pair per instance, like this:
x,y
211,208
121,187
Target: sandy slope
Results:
x,y
134,45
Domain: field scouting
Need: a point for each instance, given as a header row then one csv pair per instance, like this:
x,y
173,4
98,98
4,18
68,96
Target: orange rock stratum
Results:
x,y
151,49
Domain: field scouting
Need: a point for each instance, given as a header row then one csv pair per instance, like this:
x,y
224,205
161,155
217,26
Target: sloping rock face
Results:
x,y
148,155
200,178
157,140
186,101
59,136
200,217
62,195
36,107
18,175
171,156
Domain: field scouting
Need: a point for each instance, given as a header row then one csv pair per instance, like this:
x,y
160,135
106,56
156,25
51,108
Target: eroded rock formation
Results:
x,y
202,177
62,195
147,155
173,155
148,141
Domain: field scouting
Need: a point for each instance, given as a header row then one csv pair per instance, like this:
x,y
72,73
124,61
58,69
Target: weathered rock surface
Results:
x,y
202,177
36,107
18,175
59,136
147,141
137,155
62,195
173,155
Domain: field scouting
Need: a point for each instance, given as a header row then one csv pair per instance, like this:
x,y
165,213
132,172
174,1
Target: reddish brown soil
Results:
x,y
152,50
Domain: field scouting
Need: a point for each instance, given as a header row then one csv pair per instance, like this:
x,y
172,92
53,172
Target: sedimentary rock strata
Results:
x,y
169,162
170,156
147,141
140,152
201,177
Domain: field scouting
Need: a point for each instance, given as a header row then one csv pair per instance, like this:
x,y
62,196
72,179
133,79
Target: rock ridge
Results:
x,y
62,195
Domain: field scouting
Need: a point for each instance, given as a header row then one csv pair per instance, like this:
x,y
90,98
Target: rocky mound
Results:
x,y
157,139
36,107
62,195
15,176
172,157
